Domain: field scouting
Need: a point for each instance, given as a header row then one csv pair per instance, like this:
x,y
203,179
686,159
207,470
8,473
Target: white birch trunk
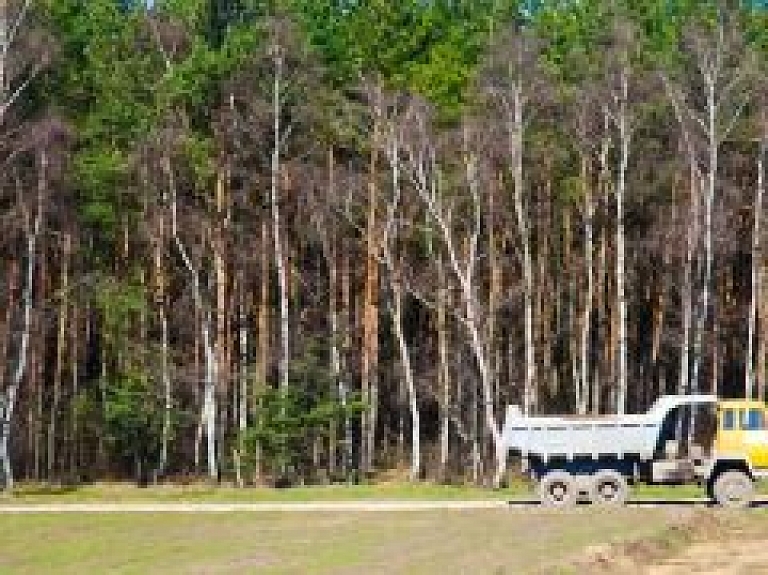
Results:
x,y
710,80
583,385
209,408
620,289
405,361
442,344
209,391
516,130
393,267
4,50
165,377
622,123
283,365
333,316
8,404
749,383
242,400
60,345
428,190
10,24
692,239
692,234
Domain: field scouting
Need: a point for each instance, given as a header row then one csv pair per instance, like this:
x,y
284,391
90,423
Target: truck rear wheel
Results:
x,y
609,488
557,489
733,489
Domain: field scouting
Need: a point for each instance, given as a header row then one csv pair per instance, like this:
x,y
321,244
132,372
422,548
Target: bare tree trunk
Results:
x,y
10,24
60,344
198,395
369,376
6,330
277,103
600,374
762,353
165,376
223,380
582,397
242,398
444,371
333,316
264,332
346,345
516,142
74,448
494,282
710,79
209,404
749,383
463,265
36,376
8,404
692,235
405,361
622,121
4,56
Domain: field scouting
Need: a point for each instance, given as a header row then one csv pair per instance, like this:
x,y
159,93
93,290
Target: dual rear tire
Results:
x,y
606,488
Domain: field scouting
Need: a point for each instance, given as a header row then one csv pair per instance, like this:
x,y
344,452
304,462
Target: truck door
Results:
x,y
728,432
755,436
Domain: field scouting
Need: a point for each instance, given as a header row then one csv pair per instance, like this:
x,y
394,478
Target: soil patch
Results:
x,y
707,542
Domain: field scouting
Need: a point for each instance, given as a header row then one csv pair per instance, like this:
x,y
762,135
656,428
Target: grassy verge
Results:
x,y
491,541
124,492
118,492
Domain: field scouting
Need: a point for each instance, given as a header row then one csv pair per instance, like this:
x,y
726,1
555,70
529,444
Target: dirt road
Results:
x,y
330,506
730,556
707,542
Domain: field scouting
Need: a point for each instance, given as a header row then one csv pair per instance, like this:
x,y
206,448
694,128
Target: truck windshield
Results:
x,y
754,420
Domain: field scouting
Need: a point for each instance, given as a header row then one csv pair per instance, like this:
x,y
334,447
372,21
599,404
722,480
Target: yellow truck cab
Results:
x,y
741,430
740,451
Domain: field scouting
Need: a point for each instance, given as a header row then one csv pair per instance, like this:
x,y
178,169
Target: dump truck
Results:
x,y
721,445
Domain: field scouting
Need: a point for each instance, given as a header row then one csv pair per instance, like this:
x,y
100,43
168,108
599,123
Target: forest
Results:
x,y
312,241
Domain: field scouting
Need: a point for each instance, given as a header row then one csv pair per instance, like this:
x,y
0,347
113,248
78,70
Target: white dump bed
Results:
x,y
620,435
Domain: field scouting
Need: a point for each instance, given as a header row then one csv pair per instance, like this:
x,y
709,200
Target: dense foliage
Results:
x,y
310,239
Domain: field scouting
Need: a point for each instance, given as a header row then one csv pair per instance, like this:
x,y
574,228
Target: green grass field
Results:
x,y
521,539
492,541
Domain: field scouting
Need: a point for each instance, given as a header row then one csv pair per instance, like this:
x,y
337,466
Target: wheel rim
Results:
x,y
608,491
733,491
558,492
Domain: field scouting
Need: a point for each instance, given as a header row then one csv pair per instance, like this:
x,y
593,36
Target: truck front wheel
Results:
x,y
733,489
557,489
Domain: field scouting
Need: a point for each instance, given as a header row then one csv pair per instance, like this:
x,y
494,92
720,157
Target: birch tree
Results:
x,y
511,87
619,113
33,213
18,68
709,114
757,257
203,310
393,262
458,227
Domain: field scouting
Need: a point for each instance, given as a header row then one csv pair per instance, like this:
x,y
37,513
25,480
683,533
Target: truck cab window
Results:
x,y
755,420
729,419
